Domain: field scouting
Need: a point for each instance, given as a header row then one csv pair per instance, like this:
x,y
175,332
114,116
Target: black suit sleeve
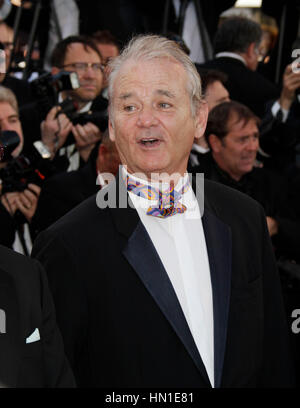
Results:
x,y
69,298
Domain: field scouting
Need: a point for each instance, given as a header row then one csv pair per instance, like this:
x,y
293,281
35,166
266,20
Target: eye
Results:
x,y
164,105
129,108
13,120
244,139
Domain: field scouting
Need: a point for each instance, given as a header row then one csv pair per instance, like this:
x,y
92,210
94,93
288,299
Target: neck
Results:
x,y
155,178
201,142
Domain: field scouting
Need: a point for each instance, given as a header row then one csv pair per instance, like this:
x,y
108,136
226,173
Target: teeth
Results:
x,y
149,141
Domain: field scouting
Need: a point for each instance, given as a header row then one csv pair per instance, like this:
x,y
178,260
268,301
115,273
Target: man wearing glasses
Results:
x,y
75,54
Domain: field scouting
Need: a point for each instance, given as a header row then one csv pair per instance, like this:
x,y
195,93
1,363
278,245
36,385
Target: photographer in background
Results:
x,y
73,54
12,233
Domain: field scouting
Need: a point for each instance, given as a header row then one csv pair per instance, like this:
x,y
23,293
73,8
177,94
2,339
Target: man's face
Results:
x,y
9,120
215,94
151,120
90,79
236,153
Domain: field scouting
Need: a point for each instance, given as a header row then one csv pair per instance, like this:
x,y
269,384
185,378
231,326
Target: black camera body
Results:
x,y
47,87
21,170
9,140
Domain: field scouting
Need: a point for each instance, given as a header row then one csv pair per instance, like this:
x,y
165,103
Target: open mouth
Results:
x,y
150,142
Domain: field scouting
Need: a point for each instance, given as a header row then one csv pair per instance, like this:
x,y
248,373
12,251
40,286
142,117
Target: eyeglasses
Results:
x,y
82,67
8,45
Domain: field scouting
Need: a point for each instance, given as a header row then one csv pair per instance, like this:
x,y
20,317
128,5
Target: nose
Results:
x,y
253,144
89,73
146,118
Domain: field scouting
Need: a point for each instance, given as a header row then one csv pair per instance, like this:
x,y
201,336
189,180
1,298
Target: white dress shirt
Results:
x,y
180,243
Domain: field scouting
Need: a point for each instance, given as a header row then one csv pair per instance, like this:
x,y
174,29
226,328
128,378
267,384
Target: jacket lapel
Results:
x,y
141,254
219,248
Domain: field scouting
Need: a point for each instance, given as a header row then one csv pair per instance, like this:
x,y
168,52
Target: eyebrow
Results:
x,y
162,92
14,116
125,95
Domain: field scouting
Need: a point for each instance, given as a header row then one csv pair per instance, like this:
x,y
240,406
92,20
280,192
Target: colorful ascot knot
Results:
x,y
168,201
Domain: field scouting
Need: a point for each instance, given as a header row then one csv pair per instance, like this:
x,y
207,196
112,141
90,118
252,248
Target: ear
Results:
x,y
55,70
215,143
111,131
201,120
250,57
250,49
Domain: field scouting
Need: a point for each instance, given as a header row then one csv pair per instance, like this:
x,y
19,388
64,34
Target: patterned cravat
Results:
x,y
168,201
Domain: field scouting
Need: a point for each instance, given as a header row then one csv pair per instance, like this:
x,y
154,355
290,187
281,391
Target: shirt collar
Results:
x,y
156,185
231,55
199,149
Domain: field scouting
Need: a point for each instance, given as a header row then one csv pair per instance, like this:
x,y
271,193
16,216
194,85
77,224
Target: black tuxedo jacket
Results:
x,y
61,193
26,305
121,321
245,86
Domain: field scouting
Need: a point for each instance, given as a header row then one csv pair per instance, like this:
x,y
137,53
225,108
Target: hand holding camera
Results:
x,y
55,129
25,201
86,136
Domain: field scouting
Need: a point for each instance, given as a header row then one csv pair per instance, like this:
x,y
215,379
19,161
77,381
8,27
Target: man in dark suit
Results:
x,y
163,291
236,48
232,134
31,347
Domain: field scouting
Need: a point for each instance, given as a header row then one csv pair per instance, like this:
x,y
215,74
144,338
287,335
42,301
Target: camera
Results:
x,y
9,140
22,170
69,108
47,87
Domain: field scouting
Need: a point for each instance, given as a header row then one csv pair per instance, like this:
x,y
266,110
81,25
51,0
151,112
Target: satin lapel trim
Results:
x,y
219,248
142,256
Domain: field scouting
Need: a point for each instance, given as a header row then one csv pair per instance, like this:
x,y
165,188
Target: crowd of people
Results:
x,y
132,309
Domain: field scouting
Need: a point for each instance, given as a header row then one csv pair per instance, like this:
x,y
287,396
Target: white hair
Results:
x,y
6,95
149,47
